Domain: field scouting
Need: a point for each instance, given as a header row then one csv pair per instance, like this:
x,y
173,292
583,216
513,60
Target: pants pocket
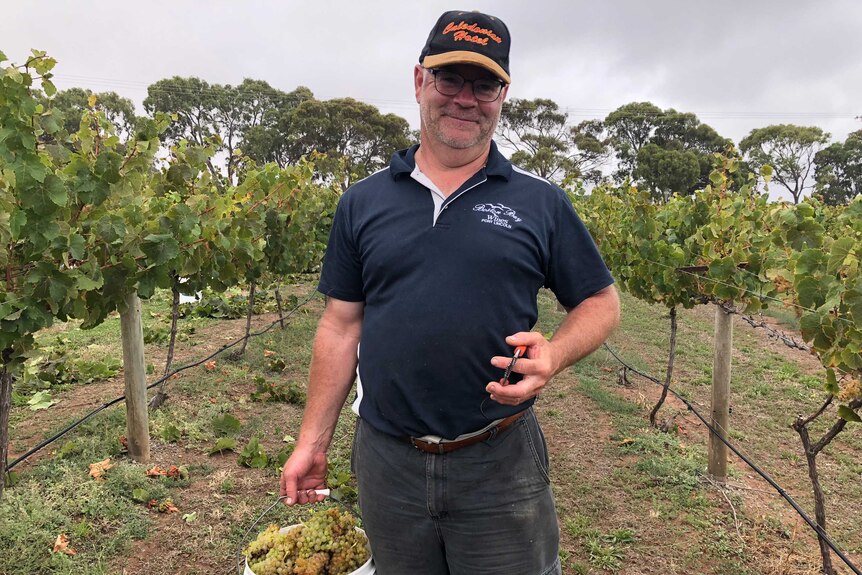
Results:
x,y
538,445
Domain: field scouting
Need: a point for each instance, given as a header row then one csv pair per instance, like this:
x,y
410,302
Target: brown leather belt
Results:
x,y
449,446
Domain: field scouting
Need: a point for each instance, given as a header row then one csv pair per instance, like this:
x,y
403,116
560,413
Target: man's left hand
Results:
x,y
538,365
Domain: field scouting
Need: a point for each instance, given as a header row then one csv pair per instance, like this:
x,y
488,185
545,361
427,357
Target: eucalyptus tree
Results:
x,y
545,143
790,150
838,171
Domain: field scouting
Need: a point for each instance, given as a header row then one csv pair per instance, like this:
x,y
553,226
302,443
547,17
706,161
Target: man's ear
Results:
x,y
418,80
505,93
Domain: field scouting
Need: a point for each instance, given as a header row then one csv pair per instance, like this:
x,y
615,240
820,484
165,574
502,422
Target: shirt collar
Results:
x,y
404,161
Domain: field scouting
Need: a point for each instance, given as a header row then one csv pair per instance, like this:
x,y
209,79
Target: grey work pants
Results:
x,y
482,509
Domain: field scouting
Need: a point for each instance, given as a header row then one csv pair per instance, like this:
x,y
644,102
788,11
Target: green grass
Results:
x,y
665,476
100,517
57,496
785,317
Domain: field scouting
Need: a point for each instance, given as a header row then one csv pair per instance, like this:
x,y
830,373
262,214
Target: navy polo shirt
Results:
x,y
442,295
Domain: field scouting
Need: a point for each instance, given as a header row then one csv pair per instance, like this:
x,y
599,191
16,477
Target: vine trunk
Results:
x,y
819,503
669,372
251,290
160,396
280,306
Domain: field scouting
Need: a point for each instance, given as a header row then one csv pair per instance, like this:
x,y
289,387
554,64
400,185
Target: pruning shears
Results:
x,y
519,352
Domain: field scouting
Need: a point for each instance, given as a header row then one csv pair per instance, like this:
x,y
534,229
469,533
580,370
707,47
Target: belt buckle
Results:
x,y
422,445
428,446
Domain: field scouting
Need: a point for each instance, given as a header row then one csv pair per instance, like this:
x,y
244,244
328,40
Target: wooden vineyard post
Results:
x,y
720,394
134,371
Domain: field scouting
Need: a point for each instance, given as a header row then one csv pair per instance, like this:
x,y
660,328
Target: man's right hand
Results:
x,y
304,472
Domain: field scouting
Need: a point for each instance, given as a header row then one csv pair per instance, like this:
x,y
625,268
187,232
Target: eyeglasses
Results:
x,y
449,84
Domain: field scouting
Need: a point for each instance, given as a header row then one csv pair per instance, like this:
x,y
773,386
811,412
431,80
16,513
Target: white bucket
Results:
x,y
190,298
366,568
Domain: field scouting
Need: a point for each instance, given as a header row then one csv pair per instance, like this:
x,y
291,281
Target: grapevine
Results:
x,y
89,221
730,246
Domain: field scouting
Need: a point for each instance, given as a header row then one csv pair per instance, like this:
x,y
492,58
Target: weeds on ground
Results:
x,y
100,518
605,551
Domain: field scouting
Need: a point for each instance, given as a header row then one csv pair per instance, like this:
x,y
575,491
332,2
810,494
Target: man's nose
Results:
x,y
466,97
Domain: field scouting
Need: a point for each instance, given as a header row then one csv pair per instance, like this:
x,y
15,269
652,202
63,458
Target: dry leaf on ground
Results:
x,y
98,469
61,545
156,471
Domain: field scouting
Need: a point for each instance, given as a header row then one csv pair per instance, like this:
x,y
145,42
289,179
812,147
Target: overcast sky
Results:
x,y
738,65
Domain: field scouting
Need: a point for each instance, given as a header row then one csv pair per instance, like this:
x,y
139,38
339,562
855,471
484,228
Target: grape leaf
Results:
x,y
223,444
160,248
226,424
40,400
831,381
848,414
253,455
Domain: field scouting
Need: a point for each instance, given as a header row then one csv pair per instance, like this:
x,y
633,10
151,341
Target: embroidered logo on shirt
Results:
x,y
497,214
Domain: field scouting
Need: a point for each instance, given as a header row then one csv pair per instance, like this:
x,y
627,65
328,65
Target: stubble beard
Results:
x,y
432,122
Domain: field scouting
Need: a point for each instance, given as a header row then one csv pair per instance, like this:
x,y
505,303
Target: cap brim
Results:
x,y
466,57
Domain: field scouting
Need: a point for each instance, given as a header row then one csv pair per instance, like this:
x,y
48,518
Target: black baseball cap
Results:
x,y
463,37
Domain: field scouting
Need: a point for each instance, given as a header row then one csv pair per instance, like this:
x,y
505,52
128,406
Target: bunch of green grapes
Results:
x,y
349,554
271,553
319,532
262,544
326,544
314,564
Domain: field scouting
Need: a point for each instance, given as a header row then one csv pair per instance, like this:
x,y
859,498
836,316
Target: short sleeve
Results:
x,y
341,276
576,269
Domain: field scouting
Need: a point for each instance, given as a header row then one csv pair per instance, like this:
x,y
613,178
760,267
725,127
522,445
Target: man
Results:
x,y
434,265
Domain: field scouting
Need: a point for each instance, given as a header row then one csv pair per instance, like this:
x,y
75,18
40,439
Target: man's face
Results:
x,y
460,121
